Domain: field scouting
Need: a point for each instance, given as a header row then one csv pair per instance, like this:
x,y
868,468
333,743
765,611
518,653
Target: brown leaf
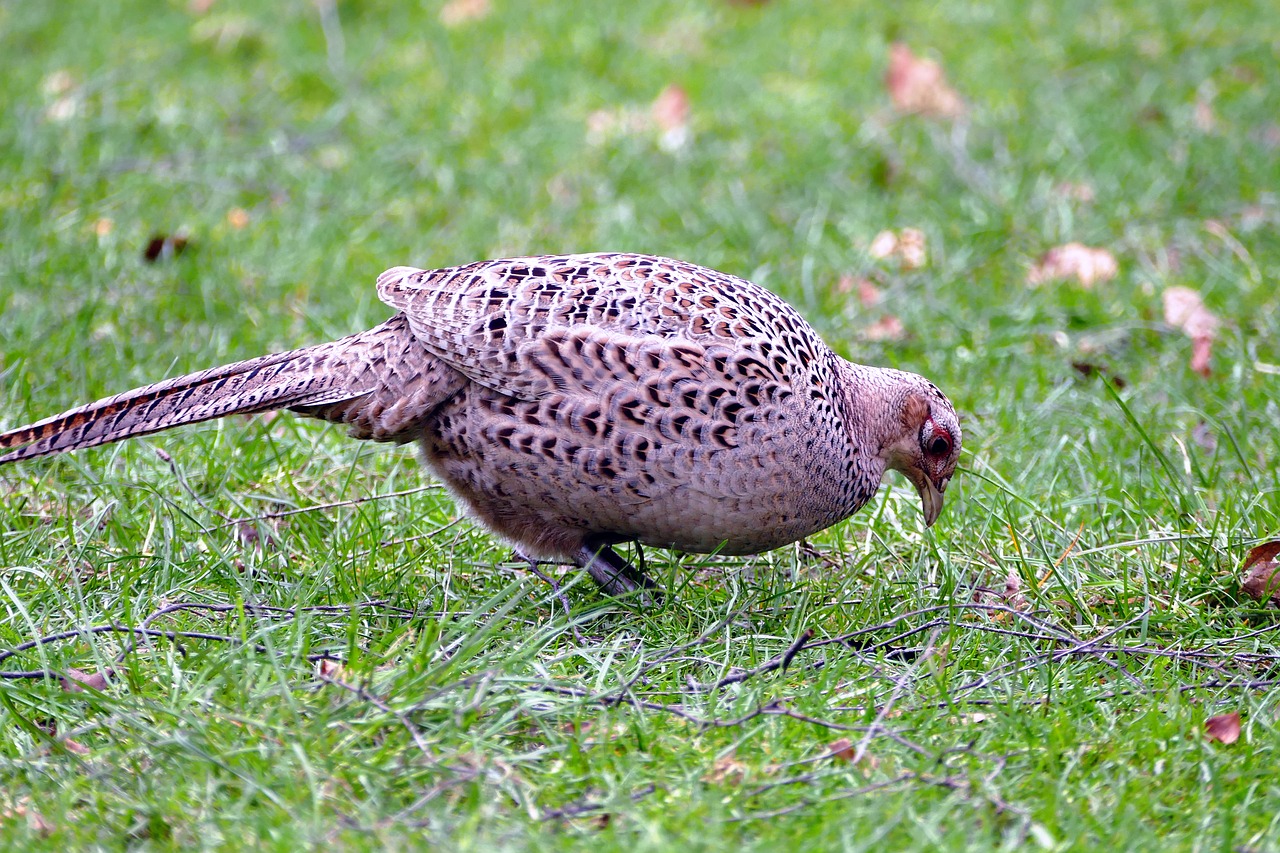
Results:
x,y
670,109
576,727
35,821
1202,434
1088,368
1224,728
907,245
911,248
1260,581
887,328
1201,353
1013,591
1074,260
75,681
726,769
868,293
333,669
670,113
841,749
884,245
457,12
667,116
1185,310
918,85
164,246
75,747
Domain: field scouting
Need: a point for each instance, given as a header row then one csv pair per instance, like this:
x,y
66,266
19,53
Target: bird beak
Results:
x,y
930,500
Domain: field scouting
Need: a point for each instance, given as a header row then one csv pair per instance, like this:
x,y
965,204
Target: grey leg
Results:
x,y
613,574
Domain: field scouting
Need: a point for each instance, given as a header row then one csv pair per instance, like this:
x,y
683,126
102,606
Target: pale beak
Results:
x,y
930,500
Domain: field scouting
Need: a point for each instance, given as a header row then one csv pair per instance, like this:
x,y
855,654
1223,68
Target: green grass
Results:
x,y
485,717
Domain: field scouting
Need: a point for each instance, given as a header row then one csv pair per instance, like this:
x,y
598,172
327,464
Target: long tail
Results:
x,y
326,380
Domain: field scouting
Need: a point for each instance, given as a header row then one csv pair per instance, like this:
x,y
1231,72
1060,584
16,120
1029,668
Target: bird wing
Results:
x,y
528,327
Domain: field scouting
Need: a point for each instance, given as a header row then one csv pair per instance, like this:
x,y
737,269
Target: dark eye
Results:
x,y
939,446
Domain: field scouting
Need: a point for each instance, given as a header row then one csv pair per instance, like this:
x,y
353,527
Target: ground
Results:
x,y
189,184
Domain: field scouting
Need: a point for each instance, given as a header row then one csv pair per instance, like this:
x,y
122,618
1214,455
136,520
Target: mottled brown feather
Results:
x,y
578,399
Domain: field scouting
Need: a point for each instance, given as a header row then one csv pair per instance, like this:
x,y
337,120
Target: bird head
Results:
x,y
927,445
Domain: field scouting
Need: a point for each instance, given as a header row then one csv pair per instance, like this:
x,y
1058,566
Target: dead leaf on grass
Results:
x,y
907,245
841,749
457,12
887,328
918,86
1074,260
1013,596
726,769
667,117
1088,369
1224,728
868,293
35,821
1260,573
75,681
331,669
165,246
1184,309
670,113
1203,436
75,747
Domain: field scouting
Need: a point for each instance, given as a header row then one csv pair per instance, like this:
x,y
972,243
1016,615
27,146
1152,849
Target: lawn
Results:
x,y
307,646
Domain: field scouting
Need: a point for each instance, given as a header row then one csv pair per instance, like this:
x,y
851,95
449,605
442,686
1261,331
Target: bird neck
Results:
x,y
873,404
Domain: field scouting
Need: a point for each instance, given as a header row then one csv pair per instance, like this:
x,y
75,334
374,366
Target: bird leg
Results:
x,y
556,590
614,575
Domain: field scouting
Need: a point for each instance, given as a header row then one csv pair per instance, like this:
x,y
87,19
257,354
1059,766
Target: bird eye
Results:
x,y
940,446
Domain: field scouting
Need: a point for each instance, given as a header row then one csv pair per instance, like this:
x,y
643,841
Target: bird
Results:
x,y
572,403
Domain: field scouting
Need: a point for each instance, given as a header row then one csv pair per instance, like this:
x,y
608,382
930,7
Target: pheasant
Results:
x,y
574,402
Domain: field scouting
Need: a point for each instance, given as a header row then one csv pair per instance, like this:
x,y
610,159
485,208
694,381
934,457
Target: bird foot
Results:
x,y
614,575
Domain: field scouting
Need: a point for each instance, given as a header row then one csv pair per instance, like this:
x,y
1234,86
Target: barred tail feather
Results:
x,y
301,377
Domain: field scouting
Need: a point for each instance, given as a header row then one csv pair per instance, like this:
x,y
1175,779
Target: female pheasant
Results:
x,y
573,402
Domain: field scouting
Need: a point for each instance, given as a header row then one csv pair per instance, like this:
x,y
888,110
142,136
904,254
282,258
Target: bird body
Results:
x,y
573,402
